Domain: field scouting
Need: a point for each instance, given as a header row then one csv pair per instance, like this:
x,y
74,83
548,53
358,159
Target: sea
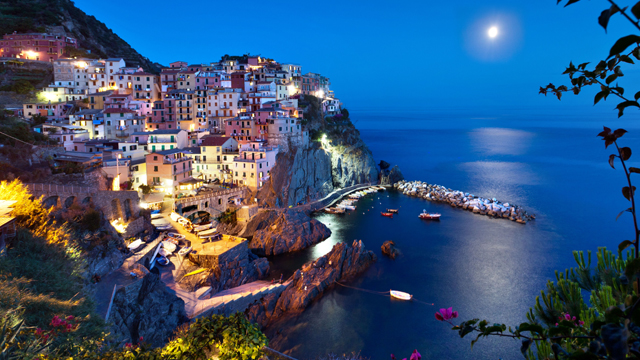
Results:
x,y
550,162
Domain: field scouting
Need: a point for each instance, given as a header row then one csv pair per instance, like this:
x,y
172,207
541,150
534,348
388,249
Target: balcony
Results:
x,y
170,160
181,171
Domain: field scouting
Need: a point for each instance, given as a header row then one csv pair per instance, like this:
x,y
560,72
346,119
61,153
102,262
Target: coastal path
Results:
x,y
326,201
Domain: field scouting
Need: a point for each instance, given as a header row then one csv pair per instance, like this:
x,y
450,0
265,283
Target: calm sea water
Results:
x,y
551,163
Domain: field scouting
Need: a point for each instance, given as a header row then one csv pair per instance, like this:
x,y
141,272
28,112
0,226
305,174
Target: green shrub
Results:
x,y
92,220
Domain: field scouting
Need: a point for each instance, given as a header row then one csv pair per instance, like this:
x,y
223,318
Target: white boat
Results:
x,y
164,252
400,295
134,245
176,235
184,251
162,261
156,216
168,246
202,227
164,227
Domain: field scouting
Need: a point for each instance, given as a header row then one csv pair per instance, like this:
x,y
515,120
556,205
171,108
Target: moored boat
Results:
x,y
429,216
184,251
400,295
162,261
393,211
387,214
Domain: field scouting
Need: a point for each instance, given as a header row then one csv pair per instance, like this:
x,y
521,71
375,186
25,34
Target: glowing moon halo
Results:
x,y
492,32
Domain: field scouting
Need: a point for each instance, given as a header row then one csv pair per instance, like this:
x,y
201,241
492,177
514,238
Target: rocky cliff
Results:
x,y
335,158
291,230
311,281
146,308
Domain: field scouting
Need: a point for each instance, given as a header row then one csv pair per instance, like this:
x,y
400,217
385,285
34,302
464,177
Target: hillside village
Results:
x,y
221,122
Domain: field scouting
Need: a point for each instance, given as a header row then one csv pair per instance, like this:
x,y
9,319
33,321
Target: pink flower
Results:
x,y
581,323
446,314
141,338
128,345
70,317
393,357
556,324
38,331
415,355
567,316
573,318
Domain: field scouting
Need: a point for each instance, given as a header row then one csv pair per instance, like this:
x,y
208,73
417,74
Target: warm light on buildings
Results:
x,y
30,54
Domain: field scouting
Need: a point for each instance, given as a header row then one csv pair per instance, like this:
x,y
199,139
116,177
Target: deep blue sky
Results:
x,y
386,54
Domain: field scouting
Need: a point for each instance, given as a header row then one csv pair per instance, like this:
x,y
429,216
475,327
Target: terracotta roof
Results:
x,y
214,140
118,111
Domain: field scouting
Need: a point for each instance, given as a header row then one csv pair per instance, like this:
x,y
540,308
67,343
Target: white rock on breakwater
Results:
x,y
455,198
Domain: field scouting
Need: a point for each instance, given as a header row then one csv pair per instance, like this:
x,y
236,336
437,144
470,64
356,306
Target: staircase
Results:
x,y
230,301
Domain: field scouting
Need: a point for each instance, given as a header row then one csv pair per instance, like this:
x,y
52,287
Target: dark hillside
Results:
x,y
63,16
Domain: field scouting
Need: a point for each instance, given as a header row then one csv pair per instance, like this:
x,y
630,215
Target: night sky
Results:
x,y
408,55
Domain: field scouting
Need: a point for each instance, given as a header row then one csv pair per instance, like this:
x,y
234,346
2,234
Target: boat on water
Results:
x,y
184,251
393,211
400,295
162,261
334,210
429,216
387,214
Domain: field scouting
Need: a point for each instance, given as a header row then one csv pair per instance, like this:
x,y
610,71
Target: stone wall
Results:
x,y
214,203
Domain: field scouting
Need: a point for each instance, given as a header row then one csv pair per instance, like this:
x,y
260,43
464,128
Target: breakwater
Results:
x,y
466,201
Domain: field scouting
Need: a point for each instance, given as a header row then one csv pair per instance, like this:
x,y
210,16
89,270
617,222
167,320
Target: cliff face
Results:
x,y
310,173
148,309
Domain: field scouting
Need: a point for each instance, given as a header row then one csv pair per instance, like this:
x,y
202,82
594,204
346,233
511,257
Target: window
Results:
x,y
155,168
155,158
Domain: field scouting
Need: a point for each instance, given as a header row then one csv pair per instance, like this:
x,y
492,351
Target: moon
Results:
x,y
492,32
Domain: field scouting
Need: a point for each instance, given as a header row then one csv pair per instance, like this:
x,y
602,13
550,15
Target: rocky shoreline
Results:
x,y
311,281
456,198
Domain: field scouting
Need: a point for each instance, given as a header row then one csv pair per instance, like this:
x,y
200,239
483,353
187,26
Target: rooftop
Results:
x,y
210,140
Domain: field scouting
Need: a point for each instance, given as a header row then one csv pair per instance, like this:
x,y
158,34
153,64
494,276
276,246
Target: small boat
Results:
x,y
387,214
168,246
184,251
163,227
164,252
400,295
162,261
134,245
393,211
176,235
156,216
155,211
334,210
429,216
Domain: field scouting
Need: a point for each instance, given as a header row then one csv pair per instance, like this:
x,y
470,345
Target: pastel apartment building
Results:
x,y
159,140
35,46
167,169
253,166
216,157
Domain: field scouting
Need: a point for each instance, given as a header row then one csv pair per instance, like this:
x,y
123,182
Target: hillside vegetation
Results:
x,y
43,15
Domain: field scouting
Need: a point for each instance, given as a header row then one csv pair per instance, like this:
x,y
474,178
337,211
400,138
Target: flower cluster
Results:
x,y
132,346
567,317
59,325
415,355
446,314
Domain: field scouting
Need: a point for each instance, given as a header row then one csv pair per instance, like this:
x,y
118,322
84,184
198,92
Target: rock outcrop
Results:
x,y
390,177
312,280
389,248
235,267
146,308
290,231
